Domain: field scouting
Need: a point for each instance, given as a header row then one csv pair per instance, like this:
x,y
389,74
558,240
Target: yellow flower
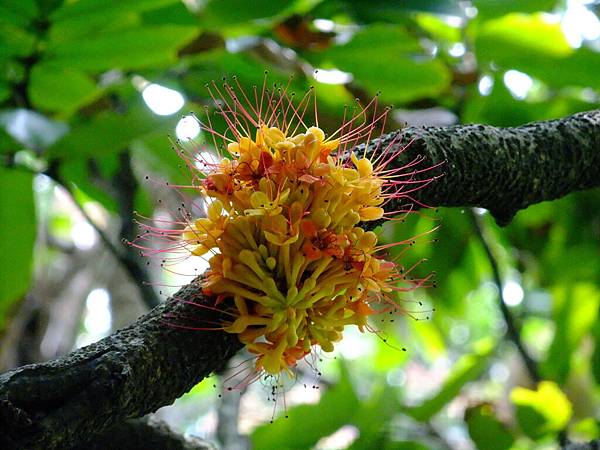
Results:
x,y
290,258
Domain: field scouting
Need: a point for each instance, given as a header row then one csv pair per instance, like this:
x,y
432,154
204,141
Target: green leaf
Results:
x,y
373,417
486,431
544,411
571,70
466,369
487,9
502,39
132,48
575,312
7,143
83,9
14,41
18,230
309,423
393,11
86,19
18,12
500,108
175,13
532,44
109,132
385,58
57,88
154,152
430,338
219,13
76,171
436,27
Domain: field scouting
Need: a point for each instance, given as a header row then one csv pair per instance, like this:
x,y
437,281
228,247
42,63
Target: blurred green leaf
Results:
x,y
501,108
110,132
385,58
57,88
87,19
487,9
18,12
392,10
83,9
466,369
586,429
538,47
513,35
175,12
430,338
77,172
7,143
225,13
575,310
437,28
486,431
307,424
544,411
133,48
373,417
15,41
154,153
18,231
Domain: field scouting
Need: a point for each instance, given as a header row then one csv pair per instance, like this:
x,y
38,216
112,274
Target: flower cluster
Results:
x,y
284,231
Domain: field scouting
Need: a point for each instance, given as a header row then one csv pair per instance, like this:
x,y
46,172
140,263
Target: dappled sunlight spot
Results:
x,y
512,293
579,24
205,426
499,372
356,344
396,377
187,128
325,25
83,235
342,438
42,183
486,83
162,100
423,381
459,334
518,83
97,317
457,50
332,76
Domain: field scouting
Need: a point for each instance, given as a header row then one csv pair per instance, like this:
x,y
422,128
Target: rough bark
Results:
x,y
150,364
128,374
503,170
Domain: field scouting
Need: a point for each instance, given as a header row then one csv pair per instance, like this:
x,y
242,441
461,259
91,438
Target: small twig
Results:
x,y
512,331
136,273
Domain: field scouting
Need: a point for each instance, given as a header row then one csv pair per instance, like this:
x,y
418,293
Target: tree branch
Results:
x,y
128,374
512,330
149,364
503,170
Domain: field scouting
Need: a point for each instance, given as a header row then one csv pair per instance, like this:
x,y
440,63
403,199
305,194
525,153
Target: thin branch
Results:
x,y
512,331
131,265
